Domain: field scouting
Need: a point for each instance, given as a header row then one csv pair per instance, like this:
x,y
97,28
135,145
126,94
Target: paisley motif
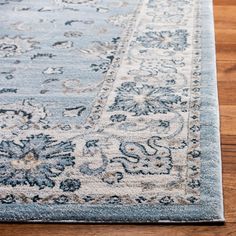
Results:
x,y
137,160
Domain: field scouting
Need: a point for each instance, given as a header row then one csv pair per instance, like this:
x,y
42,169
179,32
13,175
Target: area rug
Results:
x,y
109,112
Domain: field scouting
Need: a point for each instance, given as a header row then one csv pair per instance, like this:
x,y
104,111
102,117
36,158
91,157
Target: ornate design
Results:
x,y
137,160
125,101
92,148
15,46
37,160
165,39
22,115
118,118
70,185
144,99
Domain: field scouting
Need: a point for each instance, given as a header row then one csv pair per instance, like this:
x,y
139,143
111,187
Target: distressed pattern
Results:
x,y
100,102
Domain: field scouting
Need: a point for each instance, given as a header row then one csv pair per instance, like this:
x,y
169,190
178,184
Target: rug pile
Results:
x,y
109,111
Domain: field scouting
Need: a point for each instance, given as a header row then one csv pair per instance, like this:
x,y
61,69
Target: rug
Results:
x,y
109,112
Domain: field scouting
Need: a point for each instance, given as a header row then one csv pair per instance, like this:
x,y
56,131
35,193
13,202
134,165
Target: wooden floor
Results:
x,y
225,23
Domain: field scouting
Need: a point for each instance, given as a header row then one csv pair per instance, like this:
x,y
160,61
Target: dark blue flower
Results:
x,y
118,118
165,39
34,161
144,99
70,185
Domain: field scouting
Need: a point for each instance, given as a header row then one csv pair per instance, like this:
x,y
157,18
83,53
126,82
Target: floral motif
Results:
x,y
144,99
22,115
35,161
70,185
118,118
114,146
104,66
15,46
176,40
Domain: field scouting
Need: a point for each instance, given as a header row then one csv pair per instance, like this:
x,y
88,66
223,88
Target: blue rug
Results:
x,y
109,112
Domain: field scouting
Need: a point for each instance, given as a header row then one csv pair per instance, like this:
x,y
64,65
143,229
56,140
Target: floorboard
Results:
x,y
124,230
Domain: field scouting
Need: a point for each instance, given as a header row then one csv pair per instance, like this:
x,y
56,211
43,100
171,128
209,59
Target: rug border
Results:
x,y
211,207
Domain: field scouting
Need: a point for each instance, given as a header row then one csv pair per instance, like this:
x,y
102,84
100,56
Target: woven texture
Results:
x,y
109,111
